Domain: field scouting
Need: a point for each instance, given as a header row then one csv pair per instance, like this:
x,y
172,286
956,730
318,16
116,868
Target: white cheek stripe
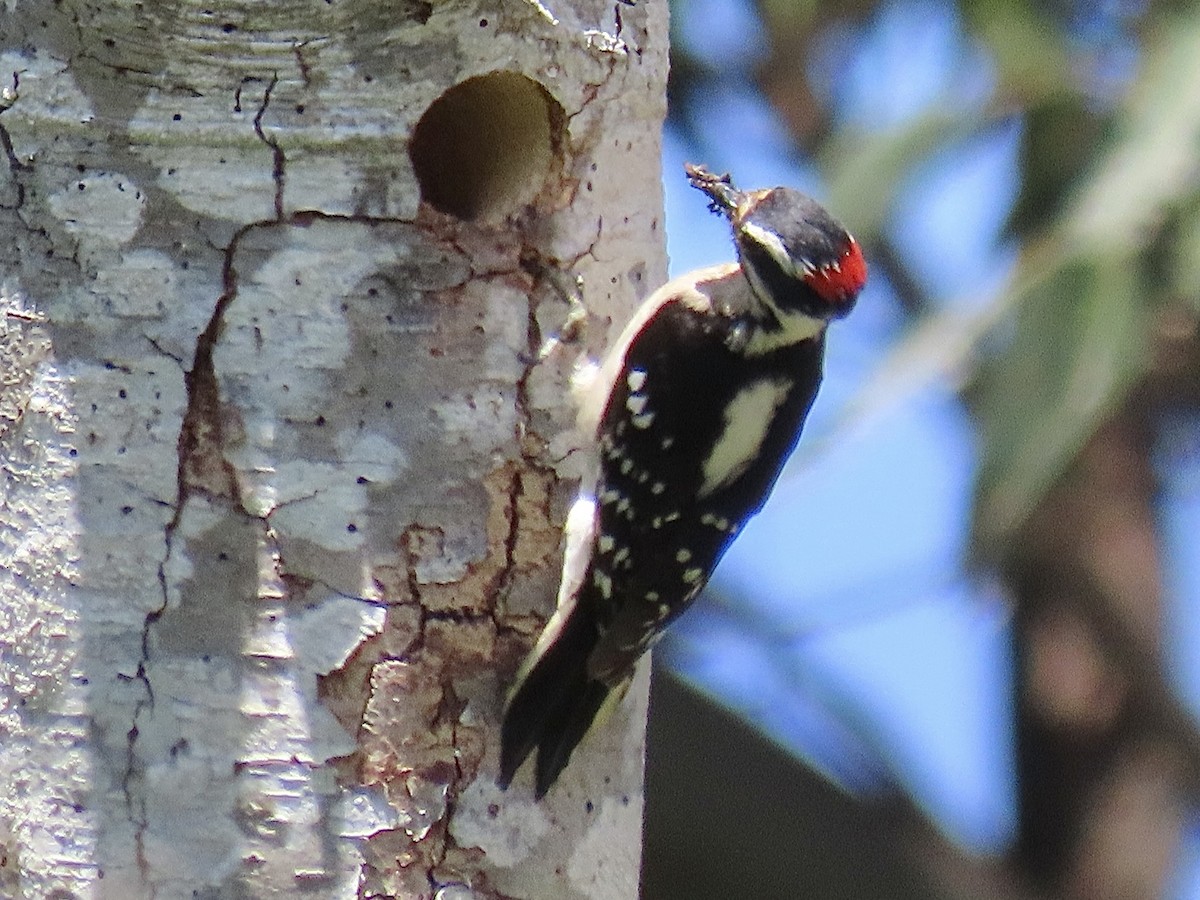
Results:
x,y
747,420
773,245
794,328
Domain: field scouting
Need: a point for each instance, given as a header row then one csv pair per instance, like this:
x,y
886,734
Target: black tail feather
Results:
x,y
554,705
572,720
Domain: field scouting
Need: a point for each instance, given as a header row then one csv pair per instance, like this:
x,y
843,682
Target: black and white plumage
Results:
x,y
694,411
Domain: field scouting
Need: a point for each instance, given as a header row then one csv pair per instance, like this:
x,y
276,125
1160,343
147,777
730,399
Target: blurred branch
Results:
x,y
963,876
871,847
912,297
1147,693
1104,750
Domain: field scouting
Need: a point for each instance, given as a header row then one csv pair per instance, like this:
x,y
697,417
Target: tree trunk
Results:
x,y
282,488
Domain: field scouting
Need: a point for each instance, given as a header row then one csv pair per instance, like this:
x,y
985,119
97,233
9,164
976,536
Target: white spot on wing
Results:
x,y
603,583
748,416
718,522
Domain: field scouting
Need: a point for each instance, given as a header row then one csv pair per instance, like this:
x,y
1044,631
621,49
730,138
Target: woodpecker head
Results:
x,y
795,256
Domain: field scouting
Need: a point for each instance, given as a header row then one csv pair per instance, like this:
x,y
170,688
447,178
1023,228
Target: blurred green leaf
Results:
x,y
1078,345
1080,299
1154,160
864,171
789,16
1029,46
1080,334
1186,259
1060,140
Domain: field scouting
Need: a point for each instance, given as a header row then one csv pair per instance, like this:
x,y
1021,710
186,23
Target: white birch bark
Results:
x,y
281,492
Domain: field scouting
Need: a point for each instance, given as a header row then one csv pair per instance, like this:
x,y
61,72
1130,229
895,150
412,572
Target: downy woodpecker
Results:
x,y
693,412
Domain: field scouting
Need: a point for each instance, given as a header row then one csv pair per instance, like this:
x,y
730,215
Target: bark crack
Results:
x,y
8,99
200,437
278,159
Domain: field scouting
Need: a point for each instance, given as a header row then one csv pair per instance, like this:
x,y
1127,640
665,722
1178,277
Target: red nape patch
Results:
x,y
841,281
